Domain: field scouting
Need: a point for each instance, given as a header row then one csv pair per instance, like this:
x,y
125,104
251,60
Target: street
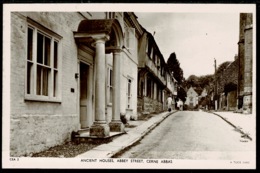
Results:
x,y
193,135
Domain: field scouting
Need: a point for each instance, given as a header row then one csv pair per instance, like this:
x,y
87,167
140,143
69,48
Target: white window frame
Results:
x,y
129,92
54,94
130,39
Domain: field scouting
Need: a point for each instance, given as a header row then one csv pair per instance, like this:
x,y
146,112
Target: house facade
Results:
x,y
203,93
192,98
227,86
245,58
154,80
70,71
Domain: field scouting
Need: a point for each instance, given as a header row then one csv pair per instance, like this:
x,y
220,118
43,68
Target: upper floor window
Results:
x,y
43,72
151,53
110,15
130,39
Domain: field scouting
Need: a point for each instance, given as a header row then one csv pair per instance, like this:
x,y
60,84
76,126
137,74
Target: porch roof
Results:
x,y
96,26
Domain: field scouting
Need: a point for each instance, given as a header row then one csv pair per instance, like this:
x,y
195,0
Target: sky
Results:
x,y
196,38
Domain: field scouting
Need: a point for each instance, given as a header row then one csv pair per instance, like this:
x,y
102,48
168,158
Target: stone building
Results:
x,y
245,57
227,81
154,80
70,71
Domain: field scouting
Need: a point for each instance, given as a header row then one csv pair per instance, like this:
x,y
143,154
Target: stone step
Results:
x,y
83,135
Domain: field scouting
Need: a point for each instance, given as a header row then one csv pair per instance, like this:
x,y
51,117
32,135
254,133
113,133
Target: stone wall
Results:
x,y
149,105
232,100
34,133
37,125
245,50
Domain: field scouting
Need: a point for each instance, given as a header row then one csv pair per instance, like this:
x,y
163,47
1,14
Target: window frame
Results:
x,y
130,39
129,93
54,74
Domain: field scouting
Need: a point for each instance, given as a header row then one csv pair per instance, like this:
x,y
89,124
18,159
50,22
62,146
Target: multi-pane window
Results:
x,y
110,15
109,85
42,64
130,39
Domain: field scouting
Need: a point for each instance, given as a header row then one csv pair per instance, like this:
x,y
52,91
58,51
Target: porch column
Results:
x,y
100,128
116,125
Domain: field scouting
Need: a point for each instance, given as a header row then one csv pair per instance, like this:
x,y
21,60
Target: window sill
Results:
x,y
42,99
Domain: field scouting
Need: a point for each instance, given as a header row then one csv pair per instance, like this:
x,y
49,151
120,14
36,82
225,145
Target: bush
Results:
x,y
185,107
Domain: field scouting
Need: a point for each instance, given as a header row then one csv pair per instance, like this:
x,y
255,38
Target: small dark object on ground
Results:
x,y
123,118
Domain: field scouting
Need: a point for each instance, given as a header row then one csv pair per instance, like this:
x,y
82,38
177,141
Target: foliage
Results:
x,y
201,82
222,67
173,65
230,87
185,107
181,93
205,101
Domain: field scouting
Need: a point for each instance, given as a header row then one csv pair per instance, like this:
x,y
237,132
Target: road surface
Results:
x,y
193,135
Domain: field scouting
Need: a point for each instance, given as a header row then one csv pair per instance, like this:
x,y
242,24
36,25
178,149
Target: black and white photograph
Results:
x,y
130,86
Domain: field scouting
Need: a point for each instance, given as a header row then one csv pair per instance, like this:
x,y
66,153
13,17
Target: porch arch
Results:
x,y
106,36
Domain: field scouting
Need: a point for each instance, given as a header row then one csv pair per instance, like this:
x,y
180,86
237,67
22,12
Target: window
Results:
x,y
129,94
109,85
130,39
110,15
42,64
149,84
151,53
142,89
147,47
158,62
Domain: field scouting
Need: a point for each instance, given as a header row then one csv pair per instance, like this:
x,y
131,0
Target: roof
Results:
x,y
96,26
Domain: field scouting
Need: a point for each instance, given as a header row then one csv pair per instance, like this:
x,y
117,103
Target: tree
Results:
x,y
181,93
222,67
230,87
205,81
174,68
192,81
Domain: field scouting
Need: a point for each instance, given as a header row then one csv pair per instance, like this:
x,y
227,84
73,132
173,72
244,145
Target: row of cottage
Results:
x,y
234,83
78,70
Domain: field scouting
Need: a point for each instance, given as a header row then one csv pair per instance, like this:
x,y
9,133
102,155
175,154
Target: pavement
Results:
x,y
135,131
245,123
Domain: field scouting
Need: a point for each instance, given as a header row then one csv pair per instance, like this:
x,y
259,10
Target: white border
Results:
x,y
76,162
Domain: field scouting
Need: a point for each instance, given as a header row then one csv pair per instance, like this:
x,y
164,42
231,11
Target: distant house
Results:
x,y
155,83
203,93
192,98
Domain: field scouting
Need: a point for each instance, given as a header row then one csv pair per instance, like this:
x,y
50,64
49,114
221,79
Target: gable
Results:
x,y
192,92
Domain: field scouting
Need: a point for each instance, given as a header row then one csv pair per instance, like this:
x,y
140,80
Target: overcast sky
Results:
x,y
196,38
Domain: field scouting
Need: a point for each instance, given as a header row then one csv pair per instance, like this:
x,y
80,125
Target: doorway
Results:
x,y
84,120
